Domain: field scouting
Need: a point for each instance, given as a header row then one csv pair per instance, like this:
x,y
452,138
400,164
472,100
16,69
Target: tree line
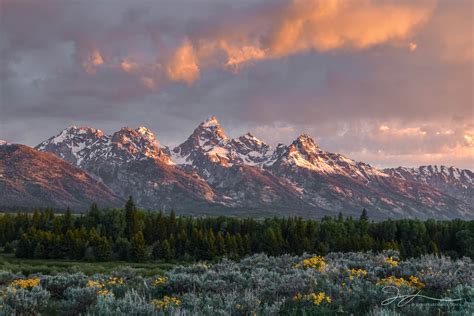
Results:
x,y
134,235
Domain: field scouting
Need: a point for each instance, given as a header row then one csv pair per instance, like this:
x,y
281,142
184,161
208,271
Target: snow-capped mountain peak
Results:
x,y
248,149
138,143
306,145
208,142
147,134
210,130
210,122
72,143
304,153
82,145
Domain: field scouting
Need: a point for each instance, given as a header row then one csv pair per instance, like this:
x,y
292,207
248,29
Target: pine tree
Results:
x,y
138,249
166,250
340,218
220,244
131,219
67,220
364,216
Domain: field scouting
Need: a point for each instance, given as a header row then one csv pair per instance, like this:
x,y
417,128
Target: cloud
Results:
x,y
390,133
183,66
238,55
299,27
295,28
92,62
148,82
128,66
329,25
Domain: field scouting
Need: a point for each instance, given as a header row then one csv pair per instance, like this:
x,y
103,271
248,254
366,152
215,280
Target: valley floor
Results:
x,y
356,283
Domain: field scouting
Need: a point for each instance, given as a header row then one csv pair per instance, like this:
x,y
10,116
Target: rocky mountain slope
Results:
x,y
211,169
30,178
455,182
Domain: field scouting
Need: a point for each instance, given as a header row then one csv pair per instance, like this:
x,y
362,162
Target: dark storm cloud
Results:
x,y
399,97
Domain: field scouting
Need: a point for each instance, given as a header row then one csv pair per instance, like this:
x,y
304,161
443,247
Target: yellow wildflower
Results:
x,y
358,273
115,281
315,298
413,282
94,283
391,261
297,297
166,302
159,281
104,292
25,283
316,262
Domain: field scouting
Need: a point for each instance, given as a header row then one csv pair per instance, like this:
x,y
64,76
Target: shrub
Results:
x,y
58,284
79,300
24,301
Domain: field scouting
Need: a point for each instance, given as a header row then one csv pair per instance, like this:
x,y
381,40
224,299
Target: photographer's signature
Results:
x,y
405,299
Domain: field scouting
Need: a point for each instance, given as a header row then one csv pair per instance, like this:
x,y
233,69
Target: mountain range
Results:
x,y
210,173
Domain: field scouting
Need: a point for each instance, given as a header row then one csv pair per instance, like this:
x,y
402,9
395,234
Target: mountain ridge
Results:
x,y
31,178
245,172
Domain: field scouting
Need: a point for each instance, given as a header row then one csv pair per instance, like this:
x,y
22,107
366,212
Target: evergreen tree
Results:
x,y
138,248
67,221
131,219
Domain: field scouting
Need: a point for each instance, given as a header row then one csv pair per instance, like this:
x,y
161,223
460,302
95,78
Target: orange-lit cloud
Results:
x,y
128,66
300,26
469,138
92,62
183,66
314,25
401,132
328,25
240,54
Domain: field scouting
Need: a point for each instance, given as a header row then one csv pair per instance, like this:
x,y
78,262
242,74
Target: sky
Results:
x,y
385,82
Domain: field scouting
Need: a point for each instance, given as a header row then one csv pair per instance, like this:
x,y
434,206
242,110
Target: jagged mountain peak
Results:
x,y
304,153
251,141
145,132
211,121
137,142
306,144
128,134
84,145
207,142
250,138
80,130
210,130
429,173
